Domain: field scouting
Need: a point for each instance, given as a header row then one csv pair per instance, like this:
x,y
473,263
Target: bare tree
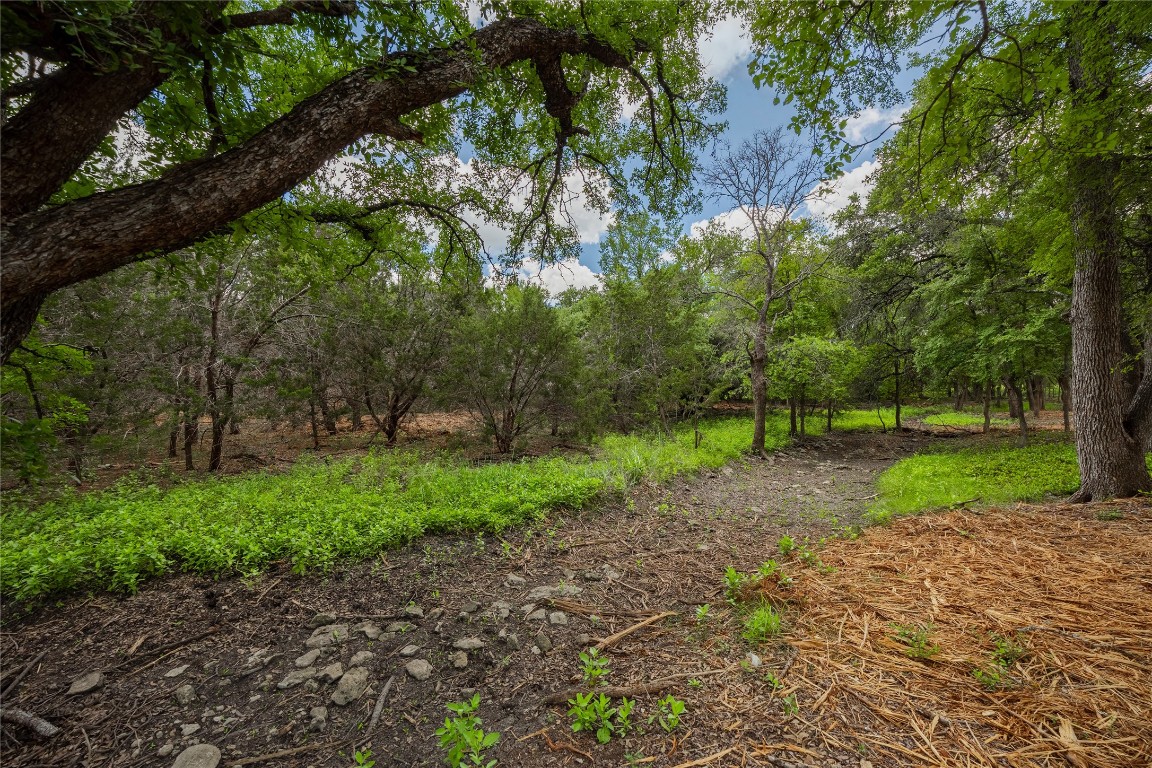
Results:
x,y
768,179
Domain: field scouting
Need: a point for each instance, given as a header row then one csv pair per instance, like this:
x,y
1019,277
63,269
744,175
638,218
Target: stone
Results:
x,y
198,756
369,629
542,593
537,615
435,614
330,634
583,639
185,695
543,643
611,573
470,607
307,659
320,620
398,627
468,644
754,661
351,687
413,611
296,677
592,576
527,608
360,658
500,609
409,651
459,659
331,673
418,669
512,580
187,729
166,749
86,683
568,590
319,717
568,574
558,618
176,671
512,640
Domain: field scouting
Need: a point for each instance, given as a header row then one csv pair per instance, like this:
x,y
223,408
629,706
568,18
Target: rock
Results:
x,y
470,607
187,729
611,573
311,685
409,651
468,644
727,472
754,660
351,687
360,658
418,669
307,659
294,679
198,756
512,580
435,614
500,609
542,593
176,671
558,618
527,608
319,717
568,574
583,639
86,683
865,763
413,611
537,615
592,576
543,643
459,659
321,620
166,749
568,590
369,629
398,627
513,641
330,634
331,673
185,695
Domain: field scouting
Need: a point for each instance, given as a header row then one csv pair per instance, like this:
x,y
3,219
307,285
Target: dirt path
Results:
x,y
189,660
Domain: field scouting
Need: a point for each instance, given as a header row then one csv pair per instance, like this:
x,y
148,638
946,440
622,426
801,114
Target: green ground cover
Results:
x,y
320,511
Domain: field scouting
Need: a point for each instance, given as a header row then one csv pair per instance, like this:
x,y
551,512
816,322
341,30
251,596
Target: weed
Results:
x,y
671,709
989,678
763,623
595,666
596,714
695,682
917,640
702,613
463,738
363,758
1008,650
790,706
786,544
1109,515
734,582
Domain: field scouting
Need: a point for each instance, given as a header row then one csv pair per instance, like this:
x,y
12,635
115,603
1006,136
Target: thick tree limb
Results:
x,y
49,249
37,725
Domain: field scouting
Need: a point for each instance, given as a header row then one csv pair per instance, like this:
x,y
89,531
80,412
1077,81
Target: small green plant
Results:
x,y
1009,650
695,682
762,623
989,678
671,710
702,613
624,716
917,640
790,706
1109,515
768,569
734,582
595,714
595,666
463,738
363,758
634,758
786,544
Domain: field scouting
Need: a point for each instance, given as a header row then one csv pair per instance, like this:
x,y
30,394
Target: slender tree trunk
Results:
x,y
792,430
1016,401
1109,440
987,407
1030,393
803,411
174,433
829,415
1066,400
191,435
896,370
758,360
959,397
315,426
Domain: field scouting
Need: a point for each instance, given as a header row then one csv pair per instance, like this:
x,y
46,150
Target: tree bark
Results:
x,y
1016,402
758,360
1110,437
896,372
987,407
1066,401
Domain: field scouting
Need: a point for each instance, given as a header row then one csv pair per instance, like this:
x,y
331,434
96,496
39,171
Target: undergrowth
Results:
x,y
321,511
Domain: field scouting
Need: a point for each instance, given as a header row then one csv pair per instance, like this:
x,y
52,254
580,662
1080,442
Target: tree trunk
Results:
x,y
899,425
315,426
174,434
803,411
792,430
758,360
1109,440
219,429
829,415
987,407
191,434
1066,400
1016,402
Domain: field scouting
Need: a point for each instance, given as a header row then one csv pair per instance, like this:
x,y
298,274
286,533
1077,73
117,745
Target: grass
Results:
x,y
994,475
321,511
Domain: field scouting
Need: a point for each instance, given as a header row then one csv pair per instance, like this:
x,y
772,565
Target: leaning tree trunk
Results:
x,y
758,359
1109,439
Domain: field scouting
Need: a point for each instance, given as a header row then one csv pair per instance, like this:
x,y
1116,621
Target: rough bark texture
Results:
x,y
1110,435
50,248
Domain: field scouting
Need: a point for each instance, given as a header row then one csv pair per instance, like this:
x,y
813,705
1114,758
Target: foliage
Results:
x,y
595,666
763,623
462,737
917,639
670,711
595,714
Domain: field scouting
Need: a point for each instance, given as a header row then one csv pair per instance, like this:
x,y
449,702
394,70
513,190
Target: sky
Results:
x,y
726,55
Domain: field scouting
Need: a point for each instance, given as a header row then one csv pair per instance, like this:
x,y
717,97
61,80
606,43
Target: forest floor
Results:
x,y
882,635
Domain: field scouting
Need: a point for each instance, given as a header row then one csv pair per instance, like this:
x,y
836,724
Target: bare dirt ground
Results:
x,y
191,660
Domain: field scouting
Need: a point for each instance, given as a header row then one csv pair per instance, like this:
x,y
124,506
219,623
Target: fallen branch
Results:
x,y
613,639
556,746
37,725
282,753
379,708
705,760
171,646
11,687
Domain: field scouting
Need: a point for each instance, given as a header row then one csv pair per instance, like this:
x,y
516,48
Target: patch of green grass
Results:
x,y
322,511
870,419
993,475
963,419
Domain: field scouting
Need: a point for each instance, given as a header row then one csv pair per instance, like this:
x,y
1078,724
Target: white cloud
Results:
x,y
836,193
559,277
871,123
724,47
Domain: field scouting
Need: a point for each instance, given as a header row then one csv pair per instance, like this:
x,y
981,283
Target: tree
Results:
x,y
241,107
768,178
1058,87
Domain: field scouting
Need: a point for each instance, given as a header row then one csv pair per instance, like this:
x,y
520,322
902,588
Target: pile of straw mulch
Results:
x,y
1068,586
